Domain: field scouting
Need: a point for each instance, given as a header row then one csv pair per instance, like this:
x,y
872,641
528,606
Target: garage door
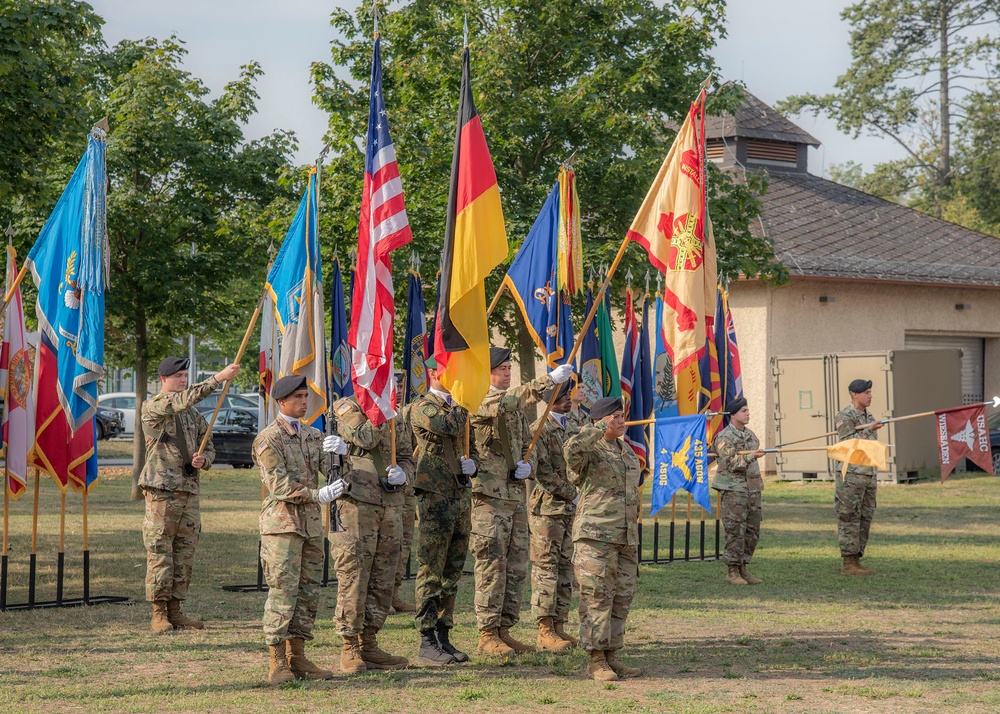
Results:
x,y
972,359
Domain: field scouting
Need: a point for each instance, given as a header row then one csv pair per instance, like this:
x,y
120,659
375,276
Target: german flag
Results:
x,y
474,243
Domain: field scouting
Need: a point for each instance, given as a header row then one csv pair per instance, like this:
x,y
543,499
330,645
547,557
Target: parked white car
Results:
x,y
125,403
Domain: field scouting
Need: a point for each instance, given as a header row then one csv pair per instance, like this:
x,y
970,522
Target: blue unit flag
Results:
x,y
680,461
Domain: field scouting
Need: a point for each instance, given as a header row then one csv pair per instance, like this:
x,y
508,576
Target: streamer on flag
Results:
x,y
570,248
15,388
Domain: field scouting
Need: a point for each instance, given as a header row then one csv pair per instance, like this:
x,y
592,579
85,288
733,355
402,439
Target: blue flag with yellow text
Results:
x,y
680,461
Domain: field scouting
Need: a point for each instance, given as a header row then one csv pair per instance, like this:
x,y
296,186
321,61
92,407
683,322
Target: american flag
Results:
x,y
383,227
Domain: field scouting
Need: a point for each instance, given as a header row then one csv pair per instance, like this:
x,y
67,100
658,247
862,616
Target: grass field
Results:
x,y
921,636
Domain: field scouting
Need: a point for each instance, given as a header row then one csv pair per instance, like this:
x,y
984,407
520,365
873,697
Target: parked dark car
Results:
x,y
233,435
232,401
110,422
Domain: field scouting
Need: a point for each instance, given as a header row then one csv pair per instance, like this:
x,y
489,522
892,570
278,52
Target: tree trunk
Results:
x,y
944,69
141,379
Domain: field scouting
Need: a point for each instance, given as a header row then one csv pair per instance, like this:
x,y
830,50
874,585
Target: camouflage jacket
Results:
x,y
736,472
845,421
607,475
363,439
164,467
292,468
553,493
439,430
505,409
578,419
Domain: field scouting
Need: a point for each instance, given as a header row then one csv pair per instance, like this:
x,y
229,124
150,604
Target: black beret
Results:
x,y
286,385
735,405
498,355
563,390
859,385
604,407
172,365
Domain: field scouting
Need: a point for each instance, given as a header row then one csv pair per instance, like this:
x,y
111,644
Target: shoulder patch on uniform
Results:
x,y
840,423
262,447
429,410
342,408
722,444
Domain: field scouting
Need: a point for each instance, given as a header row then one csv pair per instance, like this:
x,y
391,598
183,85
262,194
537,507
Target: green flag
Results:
x,y
609,362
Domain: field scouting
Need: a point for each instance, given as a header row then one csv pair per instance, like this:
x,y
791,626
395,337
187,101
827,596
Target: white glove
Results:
x,y
335,445
332,492
522,470
468,466
397,477
561,373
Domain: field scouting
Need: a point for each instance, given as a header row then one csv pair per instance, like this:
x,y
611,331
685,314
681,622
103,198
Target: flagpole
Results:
x,y
496,299
86,550
34,542
60,563
3,555
13,288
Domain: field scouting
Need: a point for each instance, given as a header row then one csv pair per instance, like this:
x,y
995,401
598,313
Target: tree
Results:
x,y
914,64
550,79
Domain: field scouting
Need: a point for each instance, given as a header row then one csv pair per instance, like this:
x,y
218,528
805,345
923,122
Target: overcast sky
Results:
x,y
773,46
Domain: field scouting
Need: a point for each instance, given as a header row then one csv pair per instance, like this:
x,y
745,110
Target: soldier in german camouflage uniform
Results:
x,y
855,491
550,516
442,487
738,480
173,431
409,523
605,534
291,456
366,552
499,541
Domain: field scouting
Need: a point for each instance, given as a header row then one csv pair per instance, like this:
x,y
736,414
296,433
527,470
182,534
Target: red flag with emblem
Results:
x,y
963,433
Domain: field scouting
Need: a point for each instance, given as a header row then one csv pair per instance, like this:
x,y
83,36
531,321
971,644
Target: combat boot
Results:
x,y
350,656
300,665
622,670
599,669
278,671
375,657
161,621
548,640
442,638
734,577
751,580
431,652
516,645
562,633
852,567
179,620
863,568
400,605
491,644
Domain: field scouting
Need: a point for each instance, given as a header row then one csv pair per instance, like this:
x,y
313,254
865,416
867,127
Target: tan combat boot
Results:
x,y
161,621
400,605
179,620
375,657
491,644
865,570
599,669
562,633
350,656
516,645
278,671
622,670
734,577
548,639
852,567
751,580
300,665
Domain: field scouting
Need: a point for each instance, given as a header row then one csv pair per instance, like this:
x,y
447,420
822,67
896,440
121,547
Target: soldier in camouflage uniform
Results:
x,y
442,487
605,534
366,552
409,523
550,517
577,417
855,491
499,541
291,456
173,431
739,482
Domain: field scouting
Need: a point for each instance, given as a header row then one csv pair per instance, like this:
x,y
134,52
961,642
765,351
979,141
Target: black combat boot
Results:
x,y
430,650
442,638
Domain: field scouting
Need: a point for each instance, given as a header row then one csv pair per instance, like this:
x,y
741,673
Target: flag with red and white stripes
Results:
x,y
383,227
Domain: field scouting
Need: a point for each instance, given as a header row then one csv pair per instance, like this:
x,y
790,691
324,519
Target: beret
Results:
x,y
563,390
172,365
430,362
735,405
859,385
604,407
498,355
286,385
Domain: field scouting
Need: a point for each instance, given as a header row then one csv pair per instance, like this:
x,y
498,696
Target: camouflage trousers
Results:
x,y
170,531
607,573
293,568
855,503
365,555
741,520
442,545
551,566
409,519
499,543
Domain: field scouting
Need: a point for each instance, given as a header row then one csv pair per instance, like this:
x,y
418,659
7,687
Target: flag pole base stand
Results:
x,y
255,588
71,602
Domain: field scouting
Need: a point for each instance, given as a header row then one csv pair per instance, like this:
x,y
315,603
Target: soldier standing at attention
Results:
x,y
550,515
173,430
291,456
499,541
576,416
366,552
738,480
855,491
605,535
442,487
409,514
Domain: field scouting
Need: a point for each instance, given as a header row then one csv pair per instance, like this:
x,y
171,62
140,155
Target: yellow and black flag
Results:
x,y
474,243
